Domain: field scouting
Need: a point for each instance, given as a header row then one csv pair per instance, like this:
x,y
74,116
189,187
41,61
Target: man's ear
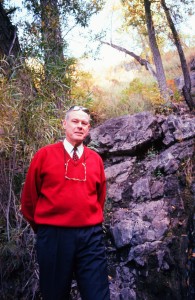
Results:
x,y
64,124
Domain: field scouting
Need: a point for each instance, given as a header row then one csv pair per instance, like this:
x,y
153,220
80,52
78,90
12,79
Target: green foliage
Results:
x,y
81,10
137,97
158,173
42,31
134,16
148,92
152,152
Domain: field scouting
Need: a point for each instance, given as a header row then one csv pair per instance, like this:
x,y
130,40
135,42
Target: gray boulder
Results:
x,y
149,214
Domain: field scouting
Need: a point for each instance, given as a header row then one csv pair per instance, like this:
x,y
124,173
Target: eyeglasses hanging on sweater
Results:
x,y
78,169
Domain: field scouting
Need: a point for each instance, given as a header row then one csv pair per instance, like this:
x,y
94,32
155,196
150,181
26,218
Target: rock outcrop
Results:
x,y
179,81
149,217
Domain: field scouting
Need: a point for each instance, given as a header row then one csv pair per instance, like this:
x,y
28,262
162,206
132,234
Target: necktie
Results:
x,y
75,156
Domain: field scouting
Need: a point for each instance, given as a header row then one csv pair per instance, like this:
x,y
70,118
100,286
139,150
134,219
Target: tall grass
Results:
x,y
29,118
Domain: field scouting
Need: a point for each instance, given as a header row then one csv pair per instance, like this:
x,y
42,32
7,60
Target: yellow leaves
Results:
x,y
147,92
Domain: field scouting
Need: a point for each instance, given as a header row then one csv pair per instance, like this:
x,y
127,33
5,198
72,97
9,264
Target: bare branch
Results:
x,y
142,61
13,41
11,11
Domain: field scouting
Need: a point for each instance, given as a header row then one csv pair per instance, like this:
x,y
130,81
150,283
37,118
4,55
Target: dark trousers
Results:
x,y
64,251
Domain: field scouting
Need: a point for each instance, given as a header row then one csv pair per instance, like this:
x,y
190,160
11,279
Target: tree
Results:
x,y
187,81
155,51
154,19
50,16
141,19
52,42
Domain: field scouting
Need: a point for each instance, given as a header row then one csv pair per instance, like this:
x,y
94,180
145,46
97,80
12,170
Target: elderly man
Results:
x,y
63,200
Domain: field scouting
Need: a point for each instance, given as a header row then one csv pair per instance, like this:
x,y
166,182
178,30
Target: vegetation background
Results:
x,y
40,78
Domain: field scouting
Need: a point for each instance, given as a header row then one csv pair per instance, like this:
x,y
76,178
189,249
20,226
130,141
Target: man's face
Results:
x,y
76,126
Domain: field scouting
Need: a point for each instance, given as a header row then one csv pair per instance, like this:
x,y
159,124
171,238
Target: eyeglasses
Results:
x,y
75,179
76,107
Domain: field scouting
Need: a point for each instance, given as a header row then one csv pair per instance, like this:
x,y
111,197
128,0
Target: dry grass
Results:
x,y
29,119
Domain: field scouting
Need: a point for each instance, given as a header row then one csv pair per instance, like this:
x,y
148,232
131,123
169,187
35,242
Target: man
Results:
x,y
63,200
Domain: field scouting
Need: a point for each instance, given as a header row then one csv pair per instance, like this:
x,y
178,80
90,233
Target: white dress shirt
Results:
x,y
70,148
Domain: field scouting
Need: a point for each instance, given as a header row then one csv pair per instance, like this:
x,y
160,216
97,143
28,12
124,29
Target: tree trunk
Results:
x,y
156,53
187,81
51,34
52,44
9,44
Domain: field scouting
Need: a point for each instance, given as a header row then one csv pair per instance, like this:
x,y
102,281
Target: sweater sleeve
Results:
x,y
31,191
102,186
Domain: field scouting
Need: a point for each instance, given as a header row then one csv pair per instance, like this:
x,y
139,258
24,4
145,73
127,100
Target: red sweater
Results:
x,y
49,198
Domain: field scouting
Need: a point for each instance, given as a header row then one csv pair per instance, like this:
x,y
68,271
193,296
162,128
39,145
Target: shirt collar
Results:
x,y
69,148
